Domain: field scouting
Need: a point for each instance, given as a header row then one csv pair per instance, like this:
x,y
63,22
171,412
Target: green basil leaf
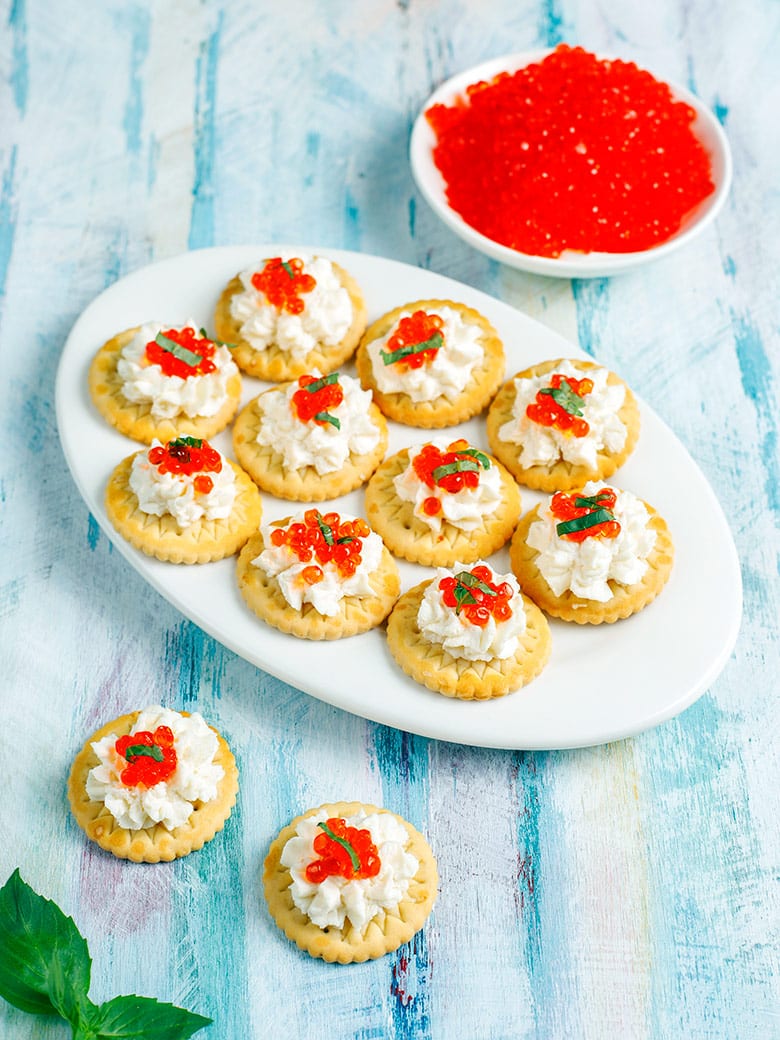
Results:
x,y
44,960
459,466
318,384
189,357
390,356
467,578
186,442
328,418
480,456
344,844
327,533
144,751
564,396
288,269
581,523
139,1018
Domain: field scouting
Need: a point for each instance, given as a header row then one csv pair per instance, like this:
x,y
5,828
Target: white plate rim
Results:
x,y
569,265
397,701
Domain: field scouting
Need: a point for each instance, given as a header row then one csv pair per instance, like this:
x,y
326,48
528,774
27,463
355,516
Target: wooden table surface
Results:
x,y
627,890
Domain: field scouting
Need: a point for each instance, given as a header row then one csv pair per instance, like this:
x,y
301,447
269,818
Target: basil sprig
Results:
x,y
389,357
459,466
344,844
318,384
465,582
581,523
564,396
325,530
143,751
45,969
189,357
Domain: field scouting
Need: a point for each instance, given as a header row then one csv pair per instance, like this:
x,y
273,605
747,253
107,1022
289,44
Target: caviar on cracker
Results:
x,y
571,152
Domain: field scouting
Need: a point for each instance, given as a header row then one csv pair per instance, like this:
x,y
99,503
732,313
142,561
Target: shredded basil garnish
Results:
x,y
189,357
391,356
344,844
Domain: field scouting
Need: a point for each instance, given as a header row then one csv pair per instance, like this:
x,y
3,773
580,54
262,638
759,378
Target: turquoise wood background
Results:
x,y
628,890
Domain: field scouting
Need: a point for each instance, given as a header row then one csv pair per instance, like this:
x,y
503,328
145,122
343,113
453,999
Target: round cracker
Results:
x,y
485,377
384,933
161,537
626,599
432,666
274,363
267,468
356,613
135,419
410,538
151,844
560,475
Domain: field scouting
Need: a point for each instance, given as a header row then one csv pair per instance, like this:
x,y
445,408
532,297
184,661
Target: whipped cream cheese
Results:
x,y
174,493
316,444
281,564
586,567
172,801
332,901
465,509
144,382
446,375
455,634
543,445
326,316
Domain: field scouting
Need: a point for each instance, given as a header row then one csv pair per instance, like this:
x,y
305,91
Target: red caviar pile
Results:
x,y
188,455
473,595
559,406
344,851
415,342
572,152
151,757
452,470
324,539
585,516
315,397
182,352
283,281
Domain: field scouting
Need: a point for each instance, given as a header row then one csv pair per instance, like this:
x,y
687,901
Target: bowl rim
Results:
x,y
570,264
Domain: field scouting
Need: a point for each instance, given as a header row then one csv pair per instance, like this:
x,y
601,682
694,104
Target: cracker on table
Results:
x,y
135,419
275,364
432,666
151,844
266,466
560,475
385,933
626,599
161,537
356,613
485,377
410,538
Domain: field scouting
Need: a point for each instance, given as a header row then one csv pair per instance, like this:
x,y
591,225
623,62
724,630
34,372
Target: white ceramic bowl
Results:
x,y
570,264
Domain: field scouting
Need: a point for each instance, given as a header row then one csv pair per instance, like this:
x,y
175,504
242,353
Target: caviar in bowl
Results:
x,y
626,126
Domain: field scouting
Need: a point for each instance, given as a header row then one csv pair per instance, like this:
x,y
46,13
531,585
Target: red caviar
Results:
x,y
415,341
347,852
188,455
452,470
182,352
151,757
474,595
323,539
572,152
585,516
283,281
315,397
559,405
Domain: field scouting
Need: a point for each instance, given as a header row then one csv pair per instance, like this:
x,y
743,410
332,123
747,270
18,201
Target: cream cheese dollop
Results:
x,y
320,445
465,509
283,565
585,568
446,375
174,493
441,625
326,316
543,445
172,801
146,383
332,901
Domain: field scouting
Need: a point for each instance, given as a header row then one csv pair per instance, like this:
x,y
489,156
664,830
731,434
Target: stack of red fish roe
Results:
x,y
572,152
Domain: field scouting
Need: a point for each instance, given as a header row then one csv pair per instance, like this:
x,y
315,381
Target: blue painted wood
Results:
x,y
627,890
